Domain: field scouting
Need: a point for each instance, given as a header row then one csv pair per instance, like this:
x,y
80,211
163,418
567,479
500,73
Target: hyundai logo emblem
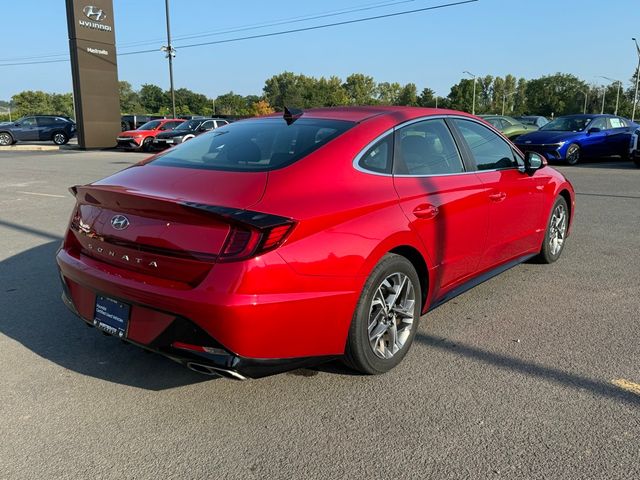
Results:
x,y
94,13
119,222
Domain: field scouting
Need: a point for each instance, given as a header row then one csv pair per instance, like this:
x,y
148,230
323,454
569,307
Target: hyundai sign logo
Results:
x,y
119,222
96,16
94,13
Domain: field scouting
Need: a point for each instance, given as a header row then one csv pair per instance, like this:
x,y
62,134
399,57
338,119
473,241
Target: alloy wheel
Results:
x,y
557,229
573,154
391,315
59,138
5,139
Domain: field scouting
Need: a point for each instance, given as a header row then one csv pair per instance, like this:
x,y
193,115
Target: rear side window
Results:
x,y
426,148
378,157
254,145
488,149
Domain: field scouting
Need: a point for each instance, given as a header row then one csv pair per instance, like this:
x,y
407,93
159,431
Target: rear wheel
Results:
x,y
60,138
573,154
556,234
386,317
5,139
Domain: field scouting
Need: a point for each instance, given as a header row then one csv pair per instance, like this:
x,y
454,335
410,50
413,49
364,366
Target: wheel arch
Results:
x,y
417,260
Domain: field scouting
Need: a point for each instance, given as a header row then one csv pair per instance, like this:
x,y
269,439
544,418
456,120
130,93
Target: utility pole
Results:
x,y
604,93
473,105
635,97
170,52
436,101
586,95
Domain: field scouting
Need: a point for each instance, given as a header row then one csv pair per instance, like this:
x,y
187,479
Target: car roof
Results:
x,y
360,114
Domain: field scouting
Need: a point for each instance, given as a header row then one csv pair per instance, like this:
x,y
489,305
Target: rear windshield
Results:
x,y
254,145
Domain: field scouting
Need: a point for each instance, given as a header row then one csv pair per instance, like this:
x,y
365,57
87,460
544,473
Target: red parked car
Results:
x,y
275,243
142,137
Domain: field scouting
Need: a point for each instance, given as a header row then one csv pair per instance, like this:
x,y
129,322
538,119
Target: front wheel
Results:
x,y
146,144
60,138
573,154
556,234
386,317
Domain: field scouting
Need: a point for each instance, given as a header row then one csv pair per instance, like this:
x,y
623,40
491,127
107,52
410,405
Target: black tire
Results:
x,y
573,154
60,138
359,353
6,139
547,253
146,144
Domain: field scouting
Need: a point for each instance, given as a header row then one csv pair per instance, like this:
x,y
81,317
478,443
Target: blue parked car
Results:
x,y
576,137
635,147
57,128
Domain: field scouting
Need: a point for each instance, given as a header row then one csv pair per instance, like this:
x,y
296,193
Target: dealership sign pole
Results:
x,y
95,71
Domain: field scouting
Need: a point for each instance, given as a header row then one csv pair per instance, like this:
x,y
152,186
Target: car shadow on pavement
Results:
x,y
549,374
32,313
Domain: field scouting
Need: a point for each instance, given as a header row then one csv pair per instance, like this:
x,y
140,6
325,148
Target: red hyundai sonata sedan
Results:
x,y
285,241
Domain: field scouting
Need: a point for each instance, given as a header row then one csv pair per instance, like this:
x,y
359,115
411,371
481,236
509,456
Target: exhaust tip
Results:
x,y
215,371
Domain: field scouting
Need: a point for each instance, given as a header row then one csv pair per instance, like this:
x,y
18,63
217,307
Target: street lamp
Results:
x,y
473,106
604,93
613,80
586,95
504,99
635,97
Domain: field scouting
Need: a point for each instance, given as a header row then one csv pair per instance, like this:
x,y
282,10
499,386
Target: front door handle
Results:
x,y
426,210
497,197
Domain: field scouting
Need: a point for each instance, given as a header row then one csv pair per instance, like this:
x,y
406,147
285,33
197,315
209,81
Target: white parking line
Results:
x,y
44,194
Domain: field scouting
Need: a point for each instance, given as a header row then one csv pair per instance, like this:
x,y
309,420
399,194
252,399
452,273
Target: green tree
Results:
x,y
187,100
62,104
388,93
232,104
461,95
152,98
31,102
129,102
360,89
520,98
287,89
557,94
408,95
427,98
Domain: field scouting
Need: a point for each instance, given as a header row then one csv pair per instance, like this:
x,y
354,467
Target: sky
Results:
x,y
527,38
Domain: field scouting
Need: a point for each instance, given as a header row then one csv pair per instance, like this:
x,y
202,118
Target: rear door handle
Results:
x,y
426,210
497,197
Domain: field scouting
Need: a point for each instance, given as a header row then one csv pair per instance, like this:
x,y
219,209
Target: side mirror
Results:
x,y
593,130
533,161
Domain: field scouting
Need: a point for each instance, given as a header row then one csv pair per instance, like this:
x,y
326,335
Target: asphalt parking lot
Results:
x,y
533,374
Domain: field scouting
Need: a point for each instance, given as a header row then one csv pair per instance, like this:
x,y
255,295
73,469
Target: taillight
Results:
x,y
245,243
251,233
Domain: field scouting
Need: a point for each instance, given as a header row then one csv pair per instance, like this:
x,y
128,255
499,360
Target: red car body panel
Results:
x,y
297,300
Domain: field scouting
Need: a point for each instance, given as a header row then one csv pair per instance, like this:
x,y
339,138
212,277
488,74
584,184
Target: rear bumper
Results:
x,y
251,334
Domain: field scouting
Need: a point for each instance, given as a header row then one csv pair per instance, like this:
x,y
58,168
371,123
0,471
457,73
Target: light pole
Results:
x,y
473,105
613,80
436,101
586,95
504,100
170,52
635,97
604,93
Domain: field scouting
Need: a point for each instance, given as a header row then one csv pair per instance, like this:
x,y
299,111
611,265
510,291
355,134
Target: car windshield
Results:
x,y
149,125
567,124
254,145
189,125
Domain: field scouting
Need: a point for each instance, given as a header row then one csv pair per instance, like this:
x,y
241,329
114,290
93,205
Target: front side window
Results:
x,y
254,145
426,148
27,122
489,150
208,125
